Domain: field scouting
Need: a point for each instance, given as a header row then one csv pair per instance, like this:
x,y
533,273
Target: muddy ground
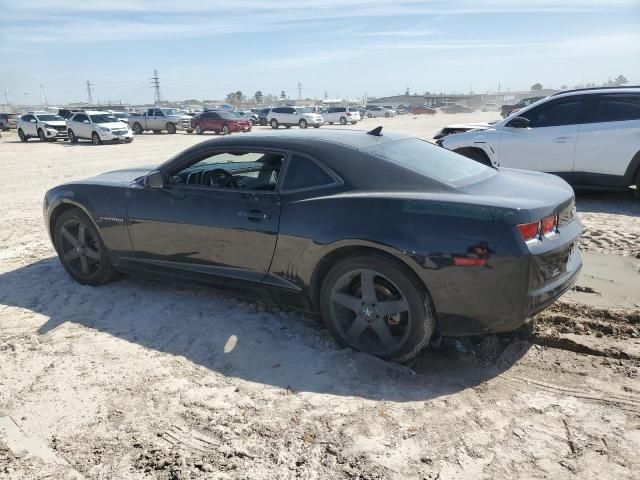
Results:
x,y
143,379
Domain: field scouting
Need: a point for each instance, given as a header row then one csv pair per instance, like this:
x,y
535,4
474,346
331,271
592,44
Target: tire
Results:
x,y
82,254
137,129
346,306
369,115
41,135
274,123
95,139
225,130
171,128
302,123
387,115
199,130
475,154
343,121
128,140
22,136
72,137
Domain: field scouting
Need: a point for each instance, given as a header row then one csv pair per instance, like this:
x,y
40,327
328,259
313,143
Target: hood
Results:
x,y
125,176
311,115
55,123
470,126
179,116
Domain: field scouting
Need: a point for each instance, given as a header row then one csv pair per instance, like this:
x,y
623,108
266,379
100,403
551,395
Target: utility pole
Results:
x,y
299,91
90,92
43,96
155,83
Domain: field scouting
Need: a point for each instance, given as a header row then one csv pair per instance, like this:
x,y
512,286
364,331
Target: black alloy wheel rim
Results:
x,y
370,312
80,249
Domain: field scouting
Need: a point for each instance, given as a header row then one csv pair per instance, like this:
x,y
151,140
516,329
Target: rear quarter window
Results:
x,y
430,160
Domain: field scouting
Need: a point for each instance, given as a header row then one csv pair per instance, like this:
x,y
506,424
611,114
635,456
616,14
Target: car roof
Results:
x,y
357,139
597,90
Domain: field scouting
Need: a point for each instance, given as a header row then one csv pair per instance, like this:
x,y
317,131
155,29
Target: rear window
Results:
x,y
429,160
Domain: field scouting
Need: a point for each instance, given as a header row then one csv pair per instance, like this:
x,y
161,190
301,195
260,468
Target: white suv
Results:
x,y
290,116
589,137
98,127
48,127
343,115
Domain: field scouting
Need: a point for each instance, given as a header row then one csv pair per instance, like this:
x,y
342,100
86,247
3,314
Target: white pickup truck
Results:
x,y
159,119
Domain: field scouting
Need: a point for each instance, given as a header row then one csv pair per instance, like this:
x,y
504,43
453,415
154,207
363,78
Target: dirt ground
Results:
x,y
143,379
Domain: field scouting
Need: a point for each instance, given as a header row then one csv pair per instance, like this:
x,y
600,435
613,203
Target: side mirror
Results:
x,y
33,120
154,180
85,121
519,122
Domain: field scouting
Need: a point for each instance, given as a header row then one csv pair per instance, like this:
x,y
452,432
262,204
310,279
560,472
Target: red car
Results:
x,y
220,122
419,109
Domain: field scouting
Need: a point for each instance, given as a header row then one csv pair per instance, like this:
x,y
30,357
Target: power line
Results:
x,y
155,83
90,92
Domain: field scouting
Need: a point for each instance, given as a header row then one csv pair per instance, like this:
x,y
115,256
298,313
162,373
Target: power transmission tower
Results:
x,y
155,83
299,91
43,96
26,98
90,92
6,97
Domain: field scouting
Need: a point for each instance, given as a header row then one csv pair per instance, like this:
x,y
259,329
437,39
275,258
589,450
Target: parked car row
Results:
x,y
96,126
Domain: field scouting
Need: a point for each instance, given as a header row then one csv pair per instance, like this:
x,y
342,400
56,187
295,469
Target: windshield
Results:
x,y
429,160
49,118
304,110
120,115
103,118
169,111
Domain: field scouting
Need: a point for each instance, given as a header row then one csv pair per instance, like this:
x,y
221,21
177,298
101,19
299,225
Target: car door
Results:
x,y
548,144
82,126
214,122
29,125
156,120
610,136
197,227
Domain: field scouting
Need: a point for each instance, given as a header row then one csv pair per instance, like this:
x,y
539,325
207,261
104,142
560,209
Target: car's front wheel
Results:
x,y
374,304
42,136
199,130
225,130
80,249
72,137
171,128
137,129
302,123
22,136
95,139
274,123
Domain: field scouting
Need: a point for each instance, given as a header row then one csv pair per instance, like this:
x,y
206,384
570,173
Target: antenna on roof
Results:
x,y
376,132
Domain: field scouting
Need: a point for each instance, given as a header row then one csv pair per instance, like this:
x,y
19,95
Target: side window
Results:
x,y
617,108
232,170
303,172
159,113
554,114
290,110
214,116
342,109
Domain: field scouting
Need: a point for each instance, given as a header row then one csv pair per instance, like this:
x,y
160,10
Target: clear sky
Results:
x,y
205,49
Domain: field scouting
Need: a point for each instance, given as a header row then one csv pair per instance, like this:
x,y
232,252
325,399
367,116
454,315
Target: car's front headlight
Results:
x,y
104,129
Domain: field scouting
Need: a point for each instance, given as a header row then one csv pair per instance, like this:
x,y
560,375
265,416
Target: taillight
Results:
x,y
348,114
549,224
529,231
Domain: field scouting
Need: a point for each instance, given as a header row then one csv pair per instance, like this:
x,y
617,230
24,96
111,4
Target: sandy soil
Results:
x,y
142,379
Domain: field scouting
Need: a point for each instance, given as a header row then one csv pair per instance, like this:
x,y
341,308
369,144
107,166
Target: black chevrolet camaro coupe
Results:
x,y
388,237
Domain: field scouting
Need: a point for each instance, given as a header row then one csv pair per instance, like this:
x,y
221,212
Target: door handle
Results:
x,y
562,139
255,215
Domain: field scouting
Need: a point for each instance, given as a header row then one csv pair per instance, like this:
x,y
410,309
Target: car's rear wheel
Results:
x,y
374,304
41,135
369,115
387,114
81,250
171,128
72,137
343,121
302,123
274,123
137,129
22,136
95,139
225,130
199,130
